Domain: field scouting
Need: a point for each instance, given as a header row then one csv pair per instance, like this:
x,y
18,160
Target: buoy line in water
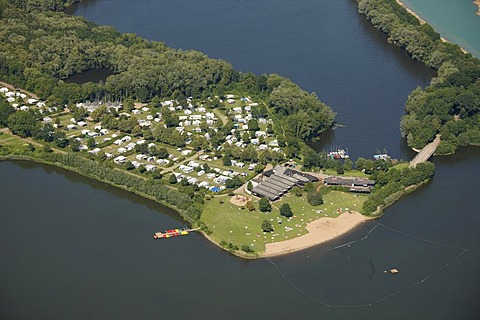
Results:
x,y
348,244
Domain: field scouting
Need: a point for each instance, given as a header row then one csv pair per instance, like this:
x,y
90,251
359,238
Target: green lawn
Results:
x,y
8,139
230,223
401,166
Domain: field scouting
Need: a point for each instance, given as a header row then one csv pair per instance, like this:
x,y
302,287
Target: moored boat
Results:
x,y
170,233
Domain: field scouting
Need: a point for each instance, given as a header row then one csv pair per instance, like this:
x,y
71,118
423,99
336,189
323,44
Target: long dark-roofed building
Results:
x,y
279,180
362,185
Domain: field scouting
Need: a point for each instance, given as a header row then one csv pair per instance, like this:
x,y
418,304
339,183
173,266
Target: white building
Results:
x,y
120,160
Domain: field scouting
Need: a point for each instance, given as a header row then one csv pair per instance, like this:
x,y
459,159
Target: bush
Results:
x,y
172,179
232,247
264,205
267,226
285,210
246,248
314,198
296,191
157,174
250,206
47,149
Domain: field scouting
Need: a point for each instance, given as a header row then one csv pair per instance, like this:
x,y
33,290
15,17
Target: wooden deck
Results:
x,y
426,152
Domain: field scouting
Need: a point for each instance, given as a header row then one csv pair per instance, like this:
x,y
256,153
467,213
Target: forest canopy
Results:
x,y
40,48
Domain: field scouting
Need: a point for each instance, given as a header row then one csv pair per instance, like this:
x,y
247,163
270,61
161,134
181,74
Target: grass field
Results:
x,y
230,223
401,166
8,139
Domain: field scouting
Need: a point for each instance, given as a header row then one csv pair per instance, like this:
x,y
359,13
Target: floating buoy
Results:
x,y
393,271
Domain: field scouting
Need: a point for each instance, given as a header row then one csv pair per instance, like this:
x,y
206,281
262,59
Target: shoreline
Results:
x,y
477,2
422,21
319,231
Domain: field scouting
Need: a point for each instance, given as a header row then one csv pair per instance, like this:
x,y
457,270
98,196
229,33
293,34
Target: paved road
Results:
x,y
426,152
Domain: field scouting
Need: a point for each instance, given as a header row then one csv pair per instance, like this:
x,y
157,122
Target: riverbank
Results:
x,y
319,231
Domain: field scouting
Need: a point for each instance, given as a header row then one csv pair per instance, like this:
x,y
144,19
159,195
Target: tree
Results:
x,y
23,123
309,187
141,148
172,179
246,248
233,183
340,169
264,205
45,133
269,128
253,125
227,161
129,165
297,191
30,147
157,174
91,142
315,198
74,145
5,111
162,153
60,139
245,137
285,210
184,182
249,186
348,165
128,104
267,226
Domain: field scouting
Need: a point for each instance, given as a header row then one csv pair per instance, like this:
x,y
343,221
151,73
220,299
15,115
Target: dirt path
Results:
x,y
195,156
13,88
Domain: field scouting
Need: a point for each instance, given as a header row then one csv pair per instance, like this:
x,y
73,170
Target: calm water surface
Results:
x,y
73,248
92,75
77,249
324,46
456,20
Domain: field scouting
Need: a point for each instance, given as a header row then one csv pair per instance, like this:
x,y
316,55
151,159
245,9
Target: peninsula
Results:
x,y
225,149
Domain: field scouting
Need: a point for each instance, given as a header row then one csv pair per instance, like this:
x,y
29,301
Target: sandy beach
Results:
x,y
423,21
319,231
477,2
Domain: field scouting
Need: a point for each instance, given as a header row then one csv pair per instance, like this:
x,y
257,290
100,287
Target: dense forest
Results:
x,y
39,48
43,5
451,104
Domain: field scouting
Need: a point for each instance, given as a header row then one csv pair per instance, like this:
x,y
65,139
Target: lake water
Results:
x,y
324,46
92,75
73,248
456,21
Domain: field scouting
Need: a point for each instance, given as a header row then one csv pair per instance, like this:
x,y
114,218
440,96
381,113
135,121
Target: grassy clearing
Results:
x,y
8,139
230,223
401,166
